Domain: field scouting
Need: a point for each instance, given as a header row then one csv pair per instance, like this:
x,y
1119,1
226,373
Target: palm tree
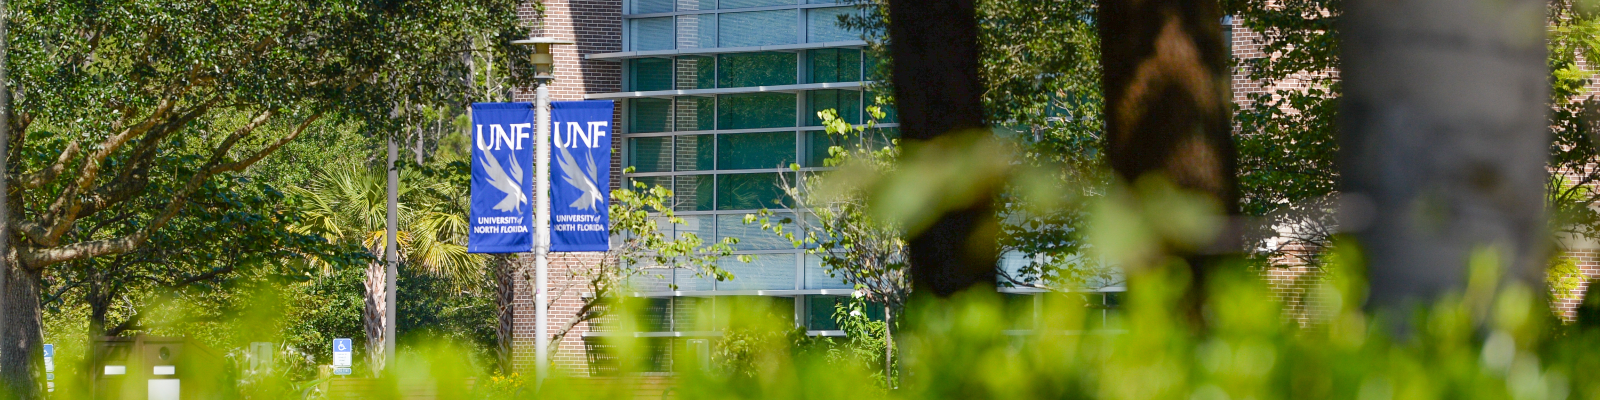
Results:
x,y
346,204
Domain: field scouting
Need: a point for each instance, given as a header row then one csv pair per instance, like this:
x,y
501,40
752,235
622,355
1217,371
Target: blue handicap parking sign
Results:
x,y
49,350
341,371
341,345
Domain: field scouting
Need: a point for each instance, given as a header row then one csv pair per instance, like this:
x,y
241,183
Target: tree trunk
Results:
x,y
938,93
20,357
5,173
372,315
1166,84
505,289
1444,142
888,348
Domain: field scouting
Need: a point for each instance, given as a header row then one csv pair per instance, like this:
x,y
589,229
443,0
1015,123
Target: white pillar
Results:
x,y
541,244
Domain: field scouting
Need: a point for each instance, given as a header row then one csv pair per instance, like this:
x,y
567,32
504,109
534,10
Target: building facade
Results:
x,y
715,99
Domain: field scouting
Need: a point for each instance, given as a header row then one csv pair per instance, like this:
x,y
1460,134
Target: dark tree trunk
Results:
x,y
505,298
21,363
1444,141
1167,110
938,93
5,199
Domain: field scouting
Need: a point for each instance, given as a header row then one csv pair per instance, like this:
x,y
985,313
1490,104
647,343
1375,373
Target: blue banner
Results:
x,y
501,219
580,183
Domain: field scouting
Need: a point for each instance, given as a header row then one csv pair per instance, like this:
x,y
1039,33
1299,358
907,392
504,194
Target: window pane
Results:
x,y
755,150
756,110
726,4
817,278
696,5
695,153
696,113
749,191
819,313
822,25
817,144
651,182
651,6
697,72
701,226
697,31
760,28
650,154
822,1
651,115
650,74
766,272
693,192
686,280
751,236
657,314
651,34
649,281
687,313
846,102
834,65
757,69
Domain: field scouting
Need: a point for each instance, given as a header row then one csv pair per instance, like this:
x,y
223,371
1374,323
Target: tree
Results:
x,y
1446,144
237,227
1287,136
939,95
1167,113
347,204
834,221
110,86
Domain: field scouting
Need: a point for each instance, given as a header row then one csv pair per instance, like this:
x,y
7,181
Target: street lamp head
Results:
x,y
543,61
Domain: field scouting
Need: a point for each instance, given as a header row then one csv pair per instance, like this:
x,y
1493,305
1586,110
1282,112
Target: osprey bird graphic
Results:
x,y
583,179
510,183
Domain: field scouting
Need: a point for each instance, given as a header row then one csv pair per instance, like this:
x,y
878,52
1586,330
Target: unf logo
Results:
x,y
575,133
498,135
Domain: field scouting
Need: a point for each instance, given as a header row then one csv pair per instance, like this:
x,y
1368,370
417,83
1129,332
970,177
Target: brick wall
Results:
x,y
596,27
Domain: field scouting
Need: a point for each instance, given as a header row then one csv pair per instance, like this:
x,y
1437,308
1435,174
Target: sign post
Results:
x,y
341,356
50,366
571,204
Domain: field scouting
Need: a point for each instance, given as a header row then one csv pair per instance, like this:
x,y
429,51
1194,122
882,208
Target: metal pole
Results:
x,y
391,256
541,244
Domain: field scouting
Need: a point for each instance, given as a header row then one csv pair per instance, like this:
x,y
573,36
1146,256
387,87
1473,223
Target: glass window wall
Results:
x,y
726,4
834,65
756,69
757,28
750,191
847,103
756,110
763,150
650,74
696,72
823,25
697,31
650,154
695,113
650,34
694,192
650,115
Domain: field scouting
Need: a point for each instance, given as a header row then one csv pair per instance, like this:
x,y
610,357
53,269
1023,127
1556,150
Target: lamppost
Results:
x,y
543,72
